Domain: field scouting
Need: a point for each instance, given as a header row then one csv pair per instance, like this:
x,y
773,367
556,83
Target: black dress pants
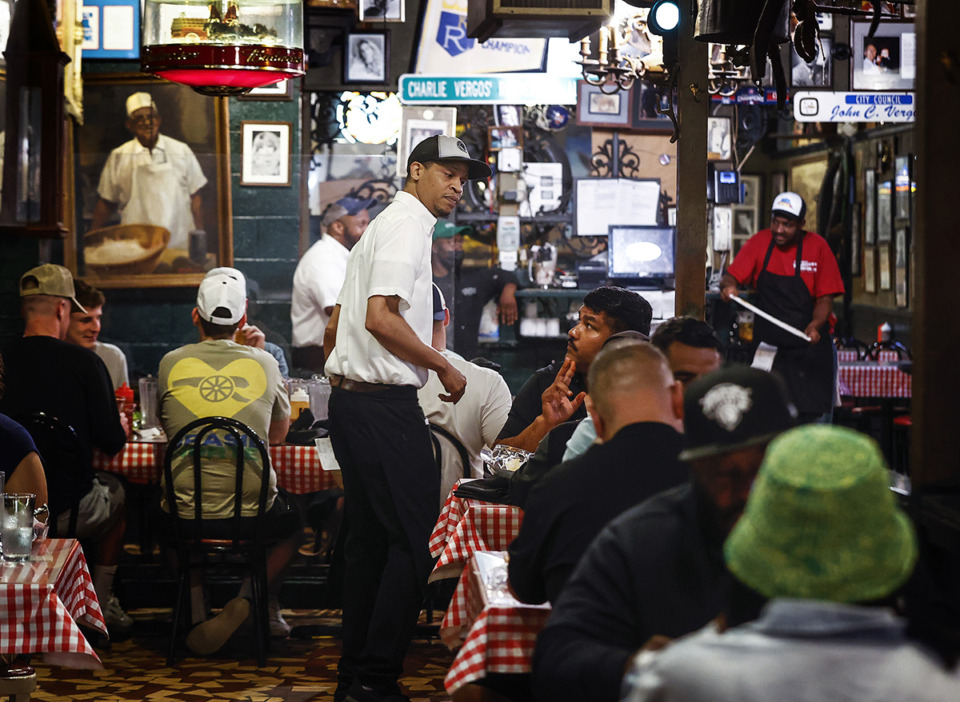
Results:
x,y
391,500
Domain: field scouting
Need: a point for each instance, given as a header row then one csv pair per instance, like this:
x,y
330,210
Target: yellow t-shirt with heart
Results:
x,y
220,378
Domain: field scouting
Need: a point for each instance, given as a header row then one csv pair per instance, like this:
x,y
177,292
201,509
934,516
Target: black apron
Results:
x,y
806,368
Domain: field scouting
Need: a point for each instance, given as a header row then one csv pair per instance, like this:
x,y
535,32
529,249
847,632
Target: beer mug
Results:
x,y
16,525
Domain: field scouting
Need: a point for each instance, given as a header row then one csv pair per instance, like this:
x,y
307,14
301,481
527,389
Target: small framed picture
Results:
x,y
885,212
722,228
886,271
744,225
870,269
885,61
902,182
382,10
816,74
719,142
869,207
282,90
901,255
509,115
855,263
504,138
598,109
418,123
366,57
265,148
646,118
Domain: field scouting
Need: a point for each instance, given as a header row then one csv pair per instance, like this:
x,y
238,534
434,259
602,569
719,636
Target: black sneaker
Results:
x,y
361,693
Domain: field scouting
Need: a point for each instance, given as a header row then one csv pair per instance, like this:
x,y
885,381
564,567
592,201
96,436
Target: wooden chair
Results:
x,y
59,448
206,545
17,688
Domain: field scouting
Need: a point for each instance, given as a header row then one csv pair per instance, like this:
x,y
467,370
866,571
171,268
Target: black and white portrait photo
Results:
x,y
365,59
381,10
266,153
816,74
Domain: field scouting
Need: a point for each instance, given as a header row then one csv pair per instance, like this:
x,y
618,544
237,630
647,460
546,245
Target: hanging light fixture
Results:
x,y
223,47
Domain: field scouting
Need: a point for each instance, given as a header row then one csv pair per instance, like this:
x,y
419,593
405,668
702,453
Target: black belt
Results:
x,y
338,381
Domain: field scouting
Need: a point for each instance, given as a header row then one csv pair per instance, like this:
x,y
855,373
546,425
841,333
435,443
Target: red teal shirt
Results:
x,y
818,268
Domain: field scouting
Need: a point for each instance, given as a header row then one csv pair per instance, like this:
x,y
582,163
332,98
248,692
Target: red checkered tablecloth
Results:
x,y
484,527
873,379
41,601
501,632
850,356
298,467
450,515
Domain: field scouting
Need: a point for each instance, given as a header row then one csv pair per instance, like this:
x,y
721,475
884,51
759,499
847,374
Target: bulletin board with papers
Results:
x,y
601,202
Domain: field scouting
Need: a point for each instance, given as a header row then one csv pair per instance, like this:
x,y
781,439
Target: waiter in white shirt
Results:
x,y
319,277
152,178
378,351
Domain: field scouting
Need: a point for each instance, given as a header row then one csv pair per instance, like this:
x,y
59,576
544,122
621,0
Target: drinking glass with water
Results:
x,y
16,525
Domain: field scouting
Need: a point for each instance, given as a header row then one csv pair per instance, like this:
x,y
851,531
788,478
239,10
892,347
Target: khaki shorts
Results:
x,y
99,508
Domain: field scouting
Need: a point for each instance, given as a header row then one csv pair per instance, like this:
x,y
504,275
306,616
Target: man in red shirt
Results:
x,y
796,278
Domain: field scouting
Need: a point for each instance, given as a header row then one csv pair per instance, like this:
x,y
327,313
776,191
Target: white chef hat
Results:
x,y
138,101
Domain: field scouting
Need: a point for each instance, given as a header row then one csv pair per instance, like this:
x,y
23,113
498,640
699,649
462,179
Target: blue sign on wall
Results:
x,y
111,29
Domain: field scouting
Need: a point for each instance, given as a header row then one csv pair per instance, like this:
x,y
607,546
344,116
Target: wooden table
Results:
x,y
43,599
497,632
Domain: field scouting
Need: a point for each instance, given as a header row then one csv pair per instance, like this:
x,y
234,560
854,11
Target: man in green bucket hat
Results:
x,y
823,543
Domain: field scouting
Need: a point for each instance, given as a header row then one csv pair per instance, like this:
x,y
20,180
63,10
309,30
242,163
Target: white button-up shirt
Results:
x,y
316,285
391,258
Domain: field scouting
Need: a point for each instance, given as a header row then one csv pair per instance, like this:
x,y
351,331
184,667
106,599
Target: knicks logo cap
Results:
x,y
789,204
447,148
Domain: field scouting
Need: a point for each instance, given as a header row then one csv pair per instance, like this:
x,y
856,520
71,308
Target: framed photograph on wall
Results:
x,y
382,10
886,270
869,207
282,90
418,123
265,149
745,225
885,212
646,99
499,138
901,264
885,61
719,139
817,73
870,269
366,56
902,183
186,193
598,109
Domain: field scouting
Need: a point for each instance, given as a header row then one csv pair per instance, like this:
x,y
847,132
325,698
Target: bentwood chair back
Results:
x,y
217,545
59,448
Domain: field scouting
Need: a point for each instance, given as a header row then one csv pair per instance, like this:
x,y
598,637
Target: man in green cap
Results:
x,y
45,373
824,541
468,288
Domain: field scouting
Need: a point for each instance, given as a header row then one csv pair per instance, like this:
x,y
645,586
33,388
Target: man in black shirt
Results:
x,y
636,405
554,394
656,572
44,373
468,288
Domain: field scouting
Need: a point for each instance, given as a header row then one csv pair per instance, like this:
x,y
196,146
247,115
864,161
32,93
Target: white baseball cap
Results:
x,y
222,288
789,204
138,101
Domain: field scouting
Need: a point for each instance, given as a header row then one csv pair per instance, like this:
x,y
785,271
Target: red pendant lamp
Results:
x,y
223,47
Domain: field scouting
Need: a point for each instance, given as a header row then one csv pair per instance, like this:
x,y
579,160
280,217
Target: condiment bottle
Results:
x,y
299,401
124,395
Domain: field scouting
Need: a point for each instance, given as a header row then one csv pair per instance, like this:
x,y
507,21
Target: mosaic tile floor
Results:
x,y
299,669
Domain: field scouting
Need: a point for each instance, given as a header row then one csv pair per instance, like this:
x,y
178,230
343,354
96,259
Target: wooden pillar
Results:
x,y
694,105
935,448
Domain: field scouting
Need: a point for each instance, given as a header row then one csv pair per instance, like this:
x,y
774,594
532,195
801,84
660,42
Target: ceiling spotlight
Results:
x,y
664,17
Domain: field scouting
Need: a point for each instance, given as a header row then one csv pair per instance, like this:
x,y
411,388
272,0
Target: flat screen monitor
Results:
x,y
641,252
